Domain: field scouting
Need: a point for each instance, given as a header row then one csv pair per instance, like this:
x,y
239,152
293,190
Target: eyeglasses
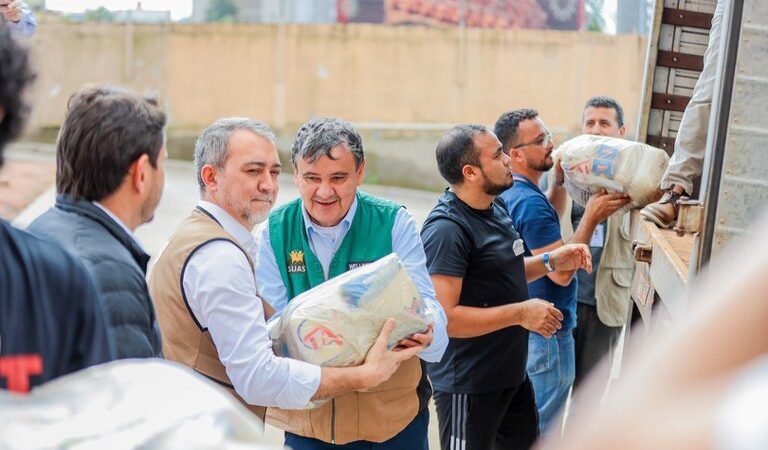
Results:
x,y
543,141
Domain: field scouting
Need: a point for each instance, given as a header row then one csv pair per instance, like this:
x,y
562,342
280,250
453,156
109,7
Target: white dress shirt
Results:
x,y
325,241
221,292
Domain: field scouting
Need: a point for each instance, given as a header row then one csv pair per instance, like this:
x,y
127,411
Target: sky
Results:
x,y
179,8
609,14
183,8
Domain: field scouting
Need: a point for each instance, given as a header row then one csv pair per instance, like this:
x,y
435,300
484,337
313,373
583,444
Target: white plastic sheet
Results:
x,y
337,322
591,163
128,404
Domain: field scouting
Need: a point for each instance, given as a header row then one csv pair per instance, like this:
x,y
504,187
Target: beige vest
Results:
x,y
616,266
614,275
184,340
375,415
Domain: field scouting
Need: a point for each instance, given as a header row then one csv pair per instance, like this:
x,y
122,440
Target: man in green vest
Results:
x,y
333,228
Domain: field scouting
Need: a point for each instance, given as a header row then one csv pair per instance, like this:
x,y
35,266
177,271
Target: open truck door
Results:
x,y
733,191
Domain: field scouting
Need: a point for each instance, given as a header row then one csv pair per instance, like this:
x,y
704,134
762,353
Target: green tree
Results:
x,y
594,10
221,11
100,14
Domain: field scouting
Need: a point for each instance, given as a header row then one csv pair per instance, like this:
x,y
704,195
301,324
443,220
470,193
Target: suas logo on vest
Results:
x,y
296,262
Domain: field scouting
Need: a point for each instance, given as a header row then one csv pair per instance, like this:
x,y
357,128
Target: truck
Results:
x,y
733,191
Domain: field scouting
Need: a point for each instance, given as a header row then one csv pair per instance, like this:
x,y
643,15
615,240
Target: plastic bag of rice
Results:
x,y
337,322
591,163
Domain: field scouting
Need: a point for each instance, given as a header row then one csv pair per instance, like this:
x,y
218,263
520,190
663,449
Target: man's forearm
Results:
x,y
335,381
585,230
558,196
435,350
535,268
468,321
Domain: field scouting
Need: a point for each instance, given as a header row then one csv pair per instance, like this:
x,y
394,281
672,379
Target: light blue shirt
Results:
x,y
324,242
27,24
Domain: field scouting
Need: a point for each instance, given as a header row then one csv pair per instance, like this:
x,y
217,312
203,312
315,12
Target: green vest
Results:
x,y
368,239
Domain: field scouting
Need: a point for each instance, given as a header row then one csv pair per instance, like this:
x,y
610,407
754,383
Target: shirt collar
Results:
x,y
230,225
346,222
120,222
525,180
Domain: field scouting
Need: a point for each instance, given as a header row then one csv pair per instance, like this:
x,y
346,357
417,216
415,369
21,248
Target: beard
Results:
x,y
494,189
242,208
542,166
255,217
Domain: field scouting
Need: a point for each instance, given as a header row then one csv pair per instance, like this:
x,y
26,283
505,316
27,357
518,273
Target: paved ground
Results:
x,y
179,197
21,182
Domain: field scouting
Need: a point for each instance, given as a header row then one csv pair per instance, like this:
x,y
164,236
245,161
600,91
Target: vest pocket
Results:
x,y
381,415
297,421
613,297
622,277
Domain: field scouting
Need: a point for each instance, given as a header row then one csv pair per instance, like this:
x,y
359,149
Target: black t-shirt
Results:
x,y
477,245
51,322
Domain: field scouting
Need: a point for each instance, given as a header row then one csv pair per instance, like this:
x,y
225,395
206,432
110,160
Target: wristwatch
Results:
x,y
547,264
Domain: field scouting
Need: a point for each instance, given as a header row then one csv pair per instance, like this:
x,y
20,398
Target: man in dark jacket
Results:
x,y
109,179
51,322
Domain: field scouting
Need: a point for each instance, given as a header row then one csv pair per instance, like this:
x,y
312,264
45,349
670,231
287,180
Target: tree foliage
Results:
x,y
221,11
594,11
100,14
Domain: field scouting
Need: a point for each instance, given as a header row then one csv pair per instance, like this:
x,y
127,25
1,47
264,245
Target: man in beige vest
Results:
x,y
204,287
603,297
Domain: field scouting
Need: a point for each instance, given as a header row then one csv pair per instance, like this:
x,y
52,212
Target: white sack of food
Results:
x,y
337,322
128,404
591,163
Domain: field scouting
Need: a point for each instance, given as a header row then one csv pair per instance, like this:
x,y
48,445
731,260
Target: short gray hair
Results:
x,y
318,137
213,144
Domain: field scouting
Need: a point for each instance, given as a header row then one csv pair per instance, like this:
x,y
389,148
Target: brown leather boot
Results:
x,y
664,212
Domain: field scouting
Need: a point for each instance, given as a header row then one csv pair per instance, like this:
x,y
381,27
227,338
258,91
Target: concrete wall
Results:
x,y
71,56
363,73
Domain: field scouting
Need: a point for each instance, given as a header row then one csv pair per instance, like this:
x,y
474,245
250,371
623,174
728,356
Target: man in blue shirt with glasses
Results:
x,y
529,144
